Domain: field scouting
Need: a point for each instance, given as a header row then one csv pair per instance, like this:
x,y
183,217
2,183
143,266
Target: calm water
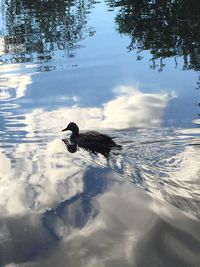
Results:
x,y
126,68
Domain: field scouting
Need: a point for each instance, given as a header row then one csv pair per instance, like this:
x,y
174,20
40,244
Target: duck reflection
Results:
x,y
92,141
72,148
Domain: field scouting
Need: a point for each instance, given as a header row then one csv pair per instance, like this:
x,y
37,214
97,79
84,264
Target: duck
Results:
x,y
93,141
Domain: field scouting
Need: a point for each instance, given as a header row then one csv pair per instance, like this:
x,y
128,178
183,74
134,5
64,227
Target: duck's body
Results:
x,y
93,141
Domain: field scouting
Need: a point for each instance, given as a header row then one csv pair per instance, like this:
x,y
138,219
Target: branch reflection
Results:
x,y
35,30
166,28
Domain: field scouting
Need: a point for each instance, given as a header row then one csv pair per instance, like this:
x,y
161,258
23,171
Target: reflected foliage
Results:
x,y
35,30
168,28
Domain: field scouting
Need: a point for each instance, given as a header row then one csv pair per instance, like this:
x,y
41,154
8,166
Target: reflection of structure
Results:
x,y
36,29
166,28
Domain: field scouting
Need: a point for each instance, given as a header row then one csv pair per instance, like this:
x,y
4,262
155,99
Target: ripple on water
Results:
x,y
166,164
163,162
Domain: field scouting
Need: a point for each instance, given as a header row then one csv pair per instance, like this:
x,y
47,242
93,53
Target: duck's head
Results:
x,y
72,127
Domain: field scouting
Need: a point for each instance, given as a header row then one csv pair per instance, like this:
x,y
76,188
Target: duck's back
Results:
x,y
93,137
94,142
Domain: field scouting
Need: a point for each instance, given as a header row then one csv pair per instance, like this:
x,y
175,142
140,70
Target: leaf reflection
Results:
x,y
35,30
166,28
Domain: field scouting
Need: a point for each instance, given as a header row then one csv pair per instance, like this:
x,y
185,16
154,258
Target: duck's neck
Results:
x,y
74,135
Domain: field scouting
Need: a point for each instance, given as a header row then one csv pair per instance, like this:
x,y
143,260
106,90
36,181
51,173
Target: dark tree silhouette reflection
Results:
x,y
35,30
167,28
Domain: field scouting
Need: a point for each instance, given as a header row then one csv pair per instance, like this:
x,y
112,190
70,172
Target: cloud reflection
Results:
x,y
181,185
41,162
130,229
35,176
129,108
125,225
12,83
132,108
97,217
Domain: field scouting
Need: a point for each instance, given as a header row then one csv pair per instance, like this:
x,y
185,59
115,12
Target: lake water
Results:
x,y
126,68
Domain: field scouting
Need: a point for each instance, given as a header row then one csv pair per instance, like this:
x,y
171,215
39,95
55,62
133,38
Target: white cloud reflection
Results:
x,y
130,230
12,83
129,224
132,108
129,108
44,164
181,186
37,176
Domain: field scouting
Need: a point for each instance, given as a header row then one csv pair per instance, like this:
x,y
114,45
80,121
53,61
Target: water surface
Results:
x,y
126,68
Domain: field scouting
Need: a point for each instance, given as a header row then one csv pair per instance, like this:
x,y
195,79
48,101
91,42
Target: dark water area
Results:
x,y
129,69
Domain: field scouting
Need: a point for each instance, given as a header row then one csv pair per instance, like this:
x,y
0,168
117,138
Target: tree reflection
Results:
x,y
167,28
35,30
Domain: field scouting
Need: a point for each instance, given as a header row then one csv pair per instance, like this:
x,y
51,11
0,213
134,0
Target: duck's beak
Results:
x,y
65,129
